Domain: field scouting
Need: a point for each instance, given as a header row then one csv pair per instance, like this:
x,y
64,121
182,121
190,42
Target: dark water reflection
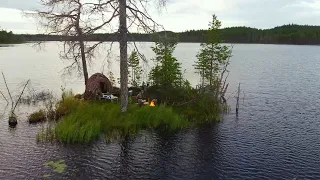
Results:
x,y
276,135
149,155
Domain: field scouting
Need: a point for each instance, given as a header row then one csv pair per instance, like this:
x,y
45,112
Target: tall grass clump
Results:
x,y
82,125
156,117
88,121
37,116
65,106
47,133
66,93
203,109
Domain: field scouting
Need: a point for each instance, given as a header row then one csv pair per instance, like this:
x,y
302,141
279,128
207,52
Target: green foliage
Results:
x,y
88,121
81,126
85,121
156,117
37,116
167,72
65,106
59,166
136,71
213,56
200,108
46,134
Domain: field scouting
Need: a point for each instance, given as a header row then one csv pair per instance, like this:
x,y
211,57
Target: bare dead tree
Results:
x,y
123,40
131,13
12,117
223,79
75,21
137,15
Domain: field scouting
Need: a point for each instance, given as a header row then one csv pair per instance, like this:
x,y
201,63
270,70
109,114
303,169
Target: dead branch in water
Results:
x,y
238,97
20,95
244,95
4,112
4,97
4,78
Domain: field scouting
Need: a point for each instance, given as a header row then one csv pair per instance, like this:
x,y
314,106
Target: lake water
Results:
x,y
276,135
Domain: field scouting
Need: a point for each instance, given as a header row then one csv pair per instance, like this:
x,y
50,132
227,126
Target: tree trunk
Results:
x,y
211,65
84,62
81,42
123,56
211,69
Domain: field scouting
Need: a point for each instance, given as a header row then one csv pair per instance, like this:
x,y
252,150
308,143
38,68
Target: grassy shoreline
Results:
x,y
86,121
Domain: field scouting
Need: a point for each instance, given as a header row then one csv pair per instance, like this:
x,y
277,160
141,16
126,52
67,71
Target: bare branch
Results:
x,y
20,95
5,81
4,97
115,14
142,56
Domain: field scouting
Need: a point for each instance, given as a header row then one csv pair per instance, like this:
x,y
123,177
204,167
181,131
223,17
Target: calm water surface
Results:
x,y
276,135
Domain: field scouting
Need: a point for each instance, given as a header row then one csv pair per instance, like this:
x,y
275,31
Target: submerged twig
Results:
x,y
4,78
4,97
20,95
4,112
244,95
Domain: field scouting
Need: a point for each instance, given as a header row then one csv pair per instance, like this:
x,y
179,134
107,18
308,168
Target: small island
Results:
x,y
165,102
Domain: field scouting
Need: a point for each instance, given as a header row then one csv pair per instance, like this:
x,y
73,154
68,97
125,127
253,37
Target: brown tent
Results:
x,y
97,84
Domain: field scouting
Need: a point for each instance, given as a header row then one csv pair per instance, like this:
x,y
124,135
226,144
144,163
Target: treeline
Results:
x,y
9,37
94,37
286,34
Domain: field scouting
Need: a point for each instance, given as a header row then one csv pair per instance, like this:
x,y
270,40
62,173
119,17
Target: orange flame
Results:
x,y
152,104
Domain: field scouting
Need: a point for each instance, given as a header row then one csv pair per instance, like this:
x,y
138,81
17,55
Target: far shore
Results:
x,y
181,42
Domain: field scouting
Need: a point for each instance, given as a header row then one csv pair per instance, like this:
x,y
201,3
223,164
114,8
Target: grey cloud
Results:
x,y
20,4
20,27
270,13
254,13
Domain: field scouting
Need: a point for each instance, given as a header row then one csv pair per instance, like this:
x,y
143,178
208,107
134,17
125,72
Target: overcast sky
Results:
x,y
180,15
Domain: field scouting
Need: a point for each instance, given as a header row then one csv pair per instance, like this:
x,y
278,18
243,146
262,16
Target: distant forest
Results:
x,y
9,37
286,34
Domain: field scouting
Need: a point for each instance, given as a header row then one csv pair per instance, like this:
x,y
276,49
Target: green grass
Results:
x,y
67,105
87,121
67,93
46,134
59,166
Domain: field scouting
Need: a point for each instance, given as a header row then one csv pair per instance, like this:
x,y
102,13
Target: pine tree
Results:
x,y
134,69
167,72
213,56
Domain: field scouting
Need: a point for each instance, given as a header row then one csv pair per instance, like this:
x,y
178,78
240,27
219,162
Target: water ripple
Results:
x,y
276,135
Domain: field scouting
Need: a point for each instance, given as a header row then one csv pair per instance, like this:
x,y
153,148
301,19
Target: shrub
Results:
x,y
38,116
65,106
